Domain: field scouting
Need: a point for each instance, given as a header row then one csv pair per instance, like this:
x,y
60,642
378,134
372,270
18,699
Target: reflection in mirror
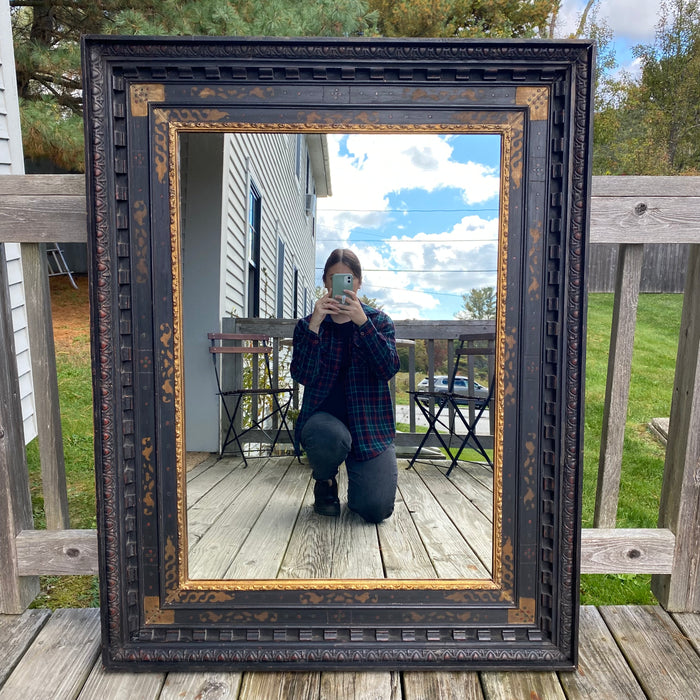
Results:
x,y
259,214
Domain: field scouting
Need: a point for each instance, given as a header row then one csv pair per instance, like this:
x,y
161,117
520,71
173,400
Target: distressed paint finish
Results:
x,y
537,97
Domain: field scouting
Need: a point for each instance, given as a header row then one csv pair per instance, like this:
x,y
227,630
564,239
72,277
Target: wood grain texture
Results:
x,y
690,624
60,660
44,377
16,507
602,671
17,632
445,685
663,661
300,686
201,686
57,552
508,686
626,551
629,271
370,685
122,686
680,493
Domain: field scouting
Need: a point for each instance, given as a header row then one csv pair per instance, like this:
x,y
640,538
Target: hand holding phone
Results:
x,y
340,283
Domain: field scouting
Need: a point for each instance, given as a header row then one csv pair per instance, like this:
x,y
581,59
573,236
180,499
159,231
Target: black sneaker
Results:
x,y
326,498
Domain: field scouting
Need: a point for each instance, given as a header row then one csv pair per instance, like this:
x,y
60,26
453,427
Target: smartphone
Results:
x,y
341,282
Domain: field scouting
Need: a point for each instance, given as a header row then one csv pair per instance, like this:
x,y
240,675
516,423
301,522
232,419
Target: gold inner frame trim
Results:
x,y
511,157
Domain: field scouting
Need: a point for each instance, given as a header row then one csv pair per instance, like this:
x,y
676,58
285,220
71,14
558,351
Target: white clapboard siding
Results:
x,y
12,163
266,161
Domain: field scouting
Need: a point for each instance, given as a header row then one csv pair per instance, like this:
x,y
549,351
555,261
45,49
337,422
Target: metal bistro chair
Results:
x,y
254,345
465,404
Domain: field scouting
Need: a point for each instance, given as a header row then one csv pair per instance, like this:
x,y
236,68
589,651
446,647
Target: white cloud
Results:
x,y
407,272
632,21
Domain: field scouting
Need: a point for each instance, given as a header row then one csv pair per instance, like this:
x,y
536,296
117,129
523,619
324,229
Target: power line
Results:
x,y
461,272
409,211
414,291
387,241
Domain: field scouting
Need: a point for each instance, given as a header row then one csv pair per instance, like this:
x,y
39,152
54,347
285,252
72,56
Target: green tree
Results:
x,y
479,303
47,49
465,18
649,126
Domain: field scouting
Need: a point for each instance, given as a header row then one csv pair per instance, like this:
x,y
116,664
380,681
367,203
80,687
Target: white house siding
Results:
x,y
218,171
268,162
12,163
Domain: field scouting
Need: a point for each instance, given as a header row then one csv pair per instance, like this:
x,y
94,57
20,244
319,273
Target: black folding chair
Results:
x,y
433,404
280,399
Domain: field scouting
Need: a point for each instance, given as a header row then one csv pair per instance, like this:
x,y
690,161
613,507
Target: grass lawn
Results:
x,y
642,470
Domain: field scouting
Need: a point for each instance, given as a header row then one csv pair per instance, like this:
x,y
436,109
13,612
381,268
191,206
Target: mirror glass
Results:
x,y
259,214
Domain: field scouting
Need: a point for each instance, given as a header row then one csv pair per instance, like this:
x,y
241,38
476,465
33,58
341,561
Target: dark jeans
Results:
x,y
371,484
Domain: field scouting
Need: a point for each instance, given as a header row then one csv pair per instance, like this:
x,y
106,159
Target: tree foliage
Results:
x,y
479,303
47,49
464,18
47,41
650,126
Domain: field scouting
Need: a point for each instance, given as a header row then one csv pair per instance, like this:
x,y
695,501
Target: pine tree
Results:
x,y
47,49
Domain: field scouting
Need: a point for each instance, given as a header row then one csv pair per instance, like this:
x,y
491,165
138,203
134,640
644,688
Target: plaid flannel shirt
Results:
x,y
374,361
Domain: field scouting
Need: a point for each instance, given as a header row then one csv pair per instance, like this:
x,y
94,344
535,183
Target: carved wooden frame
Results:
x,y
140,93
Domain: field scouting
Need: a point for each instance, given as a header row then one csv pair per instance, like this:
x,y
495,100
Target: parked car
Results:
x,y
461,386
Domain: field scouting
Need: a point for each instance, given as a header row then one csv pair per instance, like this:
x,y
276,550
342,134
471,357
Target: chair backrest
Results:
x,y
485,348
254,344
260,347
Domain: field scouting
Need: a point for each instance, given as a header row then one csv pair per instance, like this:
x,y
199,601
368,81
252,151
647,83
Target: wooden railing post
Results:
x,y
629,274
16,592
680,494
48,412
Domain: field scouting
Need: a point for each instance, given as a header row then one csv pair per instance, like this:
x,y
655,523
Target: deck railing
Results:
x,y
628,211
407,333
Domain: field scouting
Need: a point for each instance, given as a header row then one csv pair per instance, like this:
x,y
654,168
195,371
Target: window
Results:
x,y
254,217
297,156
295,298
280,278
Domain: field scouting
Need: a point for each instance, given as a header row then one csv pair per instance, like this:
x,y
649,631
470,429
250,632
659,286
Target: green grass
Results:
x,y
651,386
75,391
656,339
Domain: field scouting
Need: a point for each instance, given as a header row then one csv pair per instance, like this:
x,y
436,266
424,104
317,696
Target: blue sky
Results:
x,y
631,21
421,212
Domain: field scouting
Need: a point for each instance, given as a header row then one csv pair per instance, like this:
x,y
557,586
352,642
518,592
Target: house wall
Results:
x,y
217,173
201,195
12,163
268,162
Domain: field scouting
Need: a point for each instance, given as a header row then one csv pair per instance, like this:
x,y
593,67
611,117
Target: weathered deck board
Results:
x,y
201,686
499,685
59,661
621,651
474,525
258,522
17,632
660,656
603,671
264,547
122,686
450,553
448,685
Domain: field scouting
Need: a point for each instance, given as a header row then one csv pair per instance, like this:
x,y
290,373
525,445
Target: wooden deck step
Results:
x,y
625,652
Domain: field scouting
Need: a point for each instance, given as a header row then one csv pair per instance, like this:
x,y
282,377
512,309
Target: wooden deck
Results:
x,y
625,652
258,522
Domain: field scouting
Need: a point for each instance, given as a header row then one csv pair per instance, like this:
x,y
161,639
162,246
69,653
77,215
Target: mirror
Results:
x,y
168,123
422,213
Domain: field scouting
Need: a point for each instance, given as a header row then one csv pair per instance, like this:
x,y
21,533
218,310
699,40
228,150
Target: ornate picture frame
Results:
x,y
141,95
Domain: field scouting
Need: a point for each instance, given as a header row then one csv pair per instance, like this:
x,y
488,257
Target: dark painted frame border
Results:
x,y
150,620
